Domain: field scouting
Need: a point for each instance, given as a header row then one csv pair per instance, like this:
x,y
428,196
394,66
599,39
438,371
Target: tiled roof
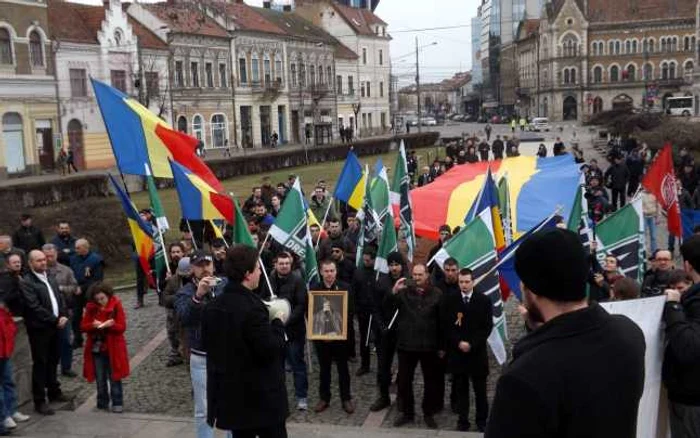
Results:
x,y
247,18
294,25
606,11
146,38
344,52
74,22
360,20
183,19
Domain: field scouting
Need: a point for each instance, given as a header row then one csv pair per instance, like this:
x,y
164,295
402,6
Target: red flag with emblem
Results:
x,y
660,180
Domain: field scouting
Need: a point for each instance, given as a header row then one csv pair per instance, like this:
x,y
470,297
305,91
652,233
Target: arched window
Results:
x,y
255,68
573,75
279,70
674,44
566,76
672,70
329,75
182,124
598,74
686,43
631,73
570,45
611,47
651,46
218,131
634,46
648,71
36,49
664,45
5,46
664,70
267,69
628,46
13,134
198,128
614,73
312,74
617,47
320,75
688,68
118,37
597,105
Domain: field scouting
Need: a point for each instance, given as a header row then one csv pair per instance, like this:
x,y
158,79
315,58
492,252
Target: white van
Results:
x,y
539,124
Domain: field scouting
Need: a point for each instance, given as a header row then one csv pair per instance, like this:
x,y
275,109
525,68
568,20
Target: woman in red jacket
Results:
x,y
105,356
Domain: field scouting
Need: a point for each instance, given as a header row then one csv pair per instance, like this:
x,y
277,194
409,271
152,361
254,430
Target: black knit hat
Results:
x,y
552,263
394,258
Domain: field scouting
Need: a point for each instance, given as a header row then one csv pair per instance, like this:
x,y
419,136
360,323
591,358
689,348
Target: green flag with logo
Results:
x,y
161,263
387,245
240,232
504,207
401,200
622,235
474,247
291,230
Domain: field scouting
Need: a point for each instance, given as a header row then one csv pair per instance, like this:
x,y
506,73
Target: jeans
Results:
x,y
65,348
8,400
198,374
295,357
103,373
650,223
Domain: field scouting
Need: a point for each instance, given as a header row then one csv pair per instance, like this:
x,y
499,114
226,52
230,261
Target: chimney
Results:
x,y
267,4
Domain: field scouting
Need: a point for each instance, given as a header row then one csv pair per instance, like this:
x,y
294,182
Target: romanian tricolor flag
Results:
x,y
198,199
537,186
350,187
140,137
141,232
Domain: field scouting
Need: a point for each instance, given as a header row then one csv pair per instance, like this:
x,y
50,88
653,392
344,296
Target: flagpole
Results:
x,y
189,228
369,328
325,217
262,245
160,230
267,279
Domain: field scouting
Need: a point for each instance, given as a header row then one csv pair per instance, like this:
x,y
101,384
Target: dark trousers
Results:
x,y
363,320
173,329
141,282
328,352
408,361
440,384
45,353
65,348
632,186
484,156
385,357
684,420
352,349
103,376
78,306
276,431
461,389
618,194
498,156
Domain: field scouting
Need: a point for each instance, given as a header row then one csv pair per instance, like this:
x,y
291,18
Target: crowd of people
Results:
x,y
238,353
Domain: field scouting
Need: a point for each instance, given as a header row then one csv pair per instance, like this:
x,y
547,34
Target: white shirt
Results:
x,y
467,296
52,296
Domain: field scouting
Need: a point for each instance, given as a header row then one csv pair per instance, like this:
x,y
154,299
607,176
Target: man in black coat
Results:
x,y
345,271
289,285
44,315
681,359
467,322
385,336
364,282
616,177
245,349
484,149
330,351
418,342
28,237
497,148
554,385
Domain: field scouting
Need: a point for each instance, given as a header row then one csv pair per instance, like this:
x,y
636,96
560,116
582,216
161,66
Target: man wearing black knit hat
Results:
x,y
555,385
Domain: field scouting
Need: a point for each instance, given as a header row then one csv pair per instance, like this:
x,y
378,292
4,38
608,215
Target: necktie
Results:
x,y
465,298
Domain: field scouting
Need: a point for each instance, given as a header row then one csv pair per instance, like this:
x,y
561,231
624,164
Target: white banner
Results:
x,y
647,313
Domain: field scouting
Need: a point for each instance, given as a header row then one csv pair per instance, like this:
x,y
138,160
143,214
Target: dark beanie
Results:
x,y
394,257
553,264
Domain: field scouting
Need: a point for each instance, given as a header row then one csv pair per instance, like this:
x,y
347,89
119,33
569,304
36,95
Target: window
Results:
x,y
320,75
672,70
36,49
611,47
383,120
634,46
12,132
329,73
664,70
381,89
381,57
364,56
182,124
570,45
198,128
648,71
5,46
255,69
118,79
179,79
614,73
218,131
631,73
279,73
651,46
302,75
293,70
267,70
369,120
339,84
598,74
362,89
78,82
312,74
567,77
152,84
194,74
688,67
628,46
663,45
222,76
118,37
242,71
209,74
351,86
369,89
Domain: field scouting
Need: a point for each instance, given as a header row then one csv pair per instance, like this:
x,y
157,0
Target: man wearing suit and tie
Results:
x,y
467,322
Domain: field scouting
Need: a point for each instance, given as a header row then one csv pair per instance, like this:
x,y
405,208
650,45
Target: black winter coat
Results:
x,y
682,356
245,362
418,319
364,282
469,323
555,385
38,312
10,292
385,307
28,238
497,147
293,289
617,176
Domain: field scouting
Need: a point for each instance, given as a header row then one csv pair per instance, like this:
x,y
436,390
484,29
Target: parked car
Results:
x,y
539,124
428,121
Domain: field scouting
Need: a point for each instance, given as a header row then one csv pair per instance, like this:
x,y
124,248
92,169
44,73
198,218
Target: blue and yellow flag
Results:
x,y
141,232
350,187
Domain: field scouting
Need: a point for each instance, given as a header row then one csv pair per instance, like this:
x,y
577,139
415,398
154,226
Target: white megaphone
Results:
x,y
279,305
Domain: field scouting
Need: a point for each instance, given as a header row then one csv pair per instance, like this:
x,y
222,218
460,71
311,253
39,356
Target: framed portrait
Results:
x,y
328,316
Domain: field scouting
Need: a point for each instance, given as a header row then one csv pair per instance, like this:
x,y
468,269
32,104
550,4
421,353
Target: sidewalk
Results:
x,y
67,424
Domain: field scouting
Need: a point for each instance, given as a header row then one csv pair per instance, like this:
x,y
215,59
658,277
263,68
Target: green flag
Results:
x,y
379,192
578,219
291,230
401,200
240,232
622,235
386,246
504,207
369,222
161,263
474,247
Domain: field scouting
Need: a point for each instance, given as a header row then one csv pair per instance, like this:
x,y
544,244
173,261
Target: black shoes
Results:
x,y
173,362
69,373
362,371
379,404
430,422
43,409
59,398
403,420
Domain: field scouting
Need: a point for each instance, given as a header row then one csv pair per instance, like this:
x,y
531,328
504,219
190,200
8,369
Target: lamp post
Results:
x,y
434,43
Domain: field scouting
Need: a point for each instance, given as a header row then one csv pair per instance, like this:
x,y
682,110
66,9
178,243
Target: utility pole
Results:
x,y
418,87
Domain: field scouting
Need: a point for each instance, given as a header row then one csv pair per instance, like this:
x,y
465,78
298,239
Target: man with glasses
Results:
x,y
658,280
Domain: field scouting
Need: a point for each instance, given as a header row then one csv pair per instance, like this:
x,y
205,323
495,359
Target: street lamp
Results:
x,y
434,43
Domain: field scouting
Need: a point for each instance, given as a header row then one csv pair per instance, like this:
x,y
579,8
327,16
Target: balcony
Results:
x,y
348,98
319,91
